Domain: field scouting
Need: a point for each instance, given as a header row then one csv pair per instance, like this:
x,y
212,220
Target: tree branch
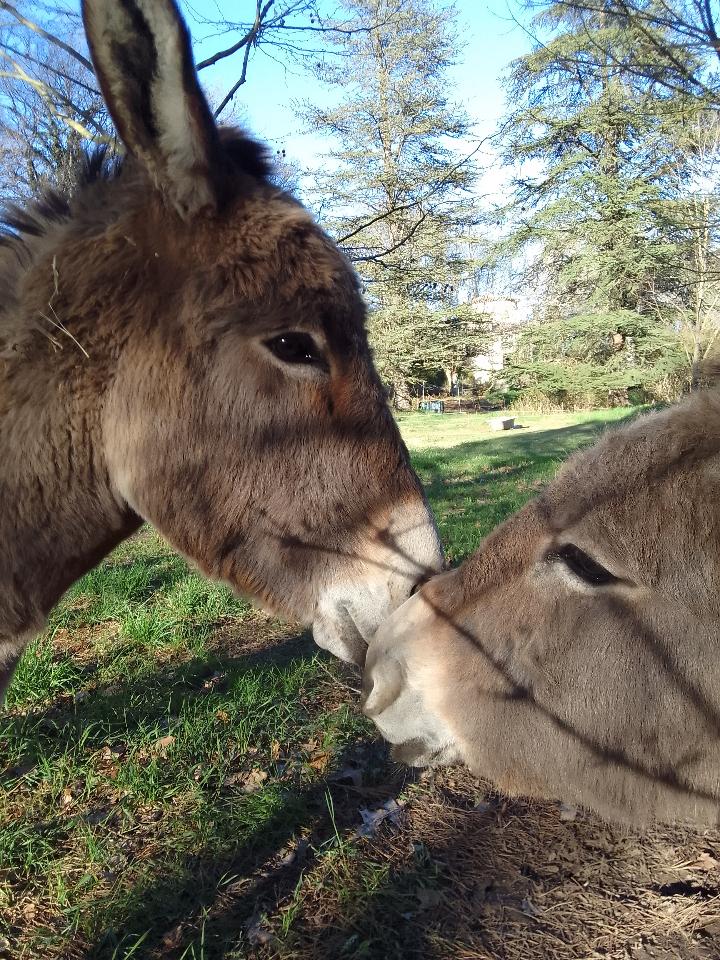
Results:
x,y
50,37
234,89
249,38
46,66
413,203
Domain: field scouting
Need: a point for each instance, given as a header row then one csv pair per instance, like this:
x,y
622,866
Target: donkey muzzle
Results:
x,y
395,691
395,557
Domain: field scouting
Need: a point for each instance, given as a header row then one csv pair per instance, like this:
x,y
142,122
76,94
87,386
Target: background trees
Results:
x,y
50,106
608,227
676,41
614,195
49,102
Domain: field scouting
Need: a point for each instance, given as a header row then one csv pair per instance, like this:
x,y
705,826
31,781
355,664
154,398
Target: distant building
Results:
x,y
507,315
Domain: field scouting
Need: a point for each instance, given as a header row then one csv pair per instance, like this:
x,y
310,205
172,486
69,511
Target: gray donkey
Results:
x,y
576,654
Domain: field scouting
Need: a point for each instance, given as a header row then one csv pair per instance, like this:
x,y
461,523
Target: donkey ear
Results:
x,y
143,60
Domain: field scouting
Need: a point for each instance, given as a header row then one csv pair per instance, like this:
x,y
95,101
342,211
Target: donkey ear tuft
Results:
x,y
143,60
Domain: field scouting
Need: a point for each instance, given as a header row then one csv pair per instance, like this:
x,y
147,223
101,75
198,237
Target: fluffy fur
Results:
x,y
136,382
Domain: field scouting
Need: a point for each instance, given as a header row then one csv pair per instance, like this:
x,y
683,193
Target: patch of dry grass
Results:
x,y
482,879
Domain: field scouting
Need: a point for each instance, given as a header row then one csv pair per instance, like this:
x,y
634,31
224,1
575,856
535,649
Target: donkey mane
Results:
x,y
25,229
51,206
17,222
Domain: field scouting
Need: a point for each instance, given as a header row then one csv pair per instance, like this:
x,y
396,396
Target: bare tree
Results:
x,y
46,120
49,102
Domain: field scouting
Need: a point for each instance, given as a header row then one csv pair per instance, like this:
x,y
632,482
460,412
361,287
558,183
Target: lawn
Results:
x,y
183,776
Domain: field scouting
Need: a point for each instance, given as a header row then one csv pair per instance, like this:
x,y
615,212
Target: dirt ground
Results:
x,y
512,880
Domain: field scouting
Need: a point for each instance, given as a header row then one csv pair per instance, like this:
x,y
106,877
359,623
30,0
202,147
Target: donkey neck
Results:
x,y
58,513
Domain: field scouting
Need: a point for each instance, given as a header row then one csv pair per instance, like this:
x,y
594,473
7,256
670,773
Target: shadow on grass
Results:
x,y
124,707
215,892
215,888
158,571
107,591
218,899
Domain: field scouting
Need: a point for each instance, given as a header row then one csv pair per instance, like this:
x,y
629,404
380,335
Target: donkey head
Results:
x,y
243,416
576,655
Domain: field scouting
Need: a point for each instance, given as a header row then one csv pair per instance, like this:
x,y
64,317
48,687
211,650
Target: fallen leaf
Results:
x,y
257,934
66,797
667,878
109,754
173,938
320,762
390,810
158,749
223,716
275,750
162,746
705,862
297,853
253,781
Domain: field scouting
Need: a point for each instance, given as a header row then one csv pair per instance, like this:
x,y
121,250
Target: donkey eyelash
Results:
x,y
582,565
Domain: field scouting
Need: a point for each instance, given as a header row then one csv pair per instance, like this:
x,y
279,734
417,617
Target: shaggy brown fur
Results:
x,y
606,695
138,379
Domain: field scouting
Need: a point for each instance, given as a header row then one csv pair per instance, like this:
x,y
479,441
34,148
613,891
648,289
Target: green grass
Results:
x,y
475,477
167,747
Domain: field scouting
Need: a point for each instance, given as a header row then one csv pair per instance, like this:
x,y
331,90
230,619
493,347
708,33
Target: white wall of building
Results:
x,y
507,315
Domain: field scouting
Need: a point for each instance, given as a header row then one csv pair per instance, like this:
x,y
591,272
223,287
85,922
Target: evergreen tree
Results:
x,y
604,149
664,32
398,191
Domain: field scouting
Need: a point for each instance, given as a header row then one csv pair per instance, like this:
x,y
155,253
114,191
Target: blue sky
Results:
x,y
265,102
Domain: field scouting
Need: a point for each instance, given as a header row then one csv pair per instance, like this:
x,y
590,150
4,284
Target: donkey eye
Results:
x,y
297,348
583,566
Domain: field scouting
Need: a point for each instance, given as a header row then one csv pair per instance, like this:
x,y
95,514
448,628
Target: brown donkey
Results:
x,y
180,343
576,655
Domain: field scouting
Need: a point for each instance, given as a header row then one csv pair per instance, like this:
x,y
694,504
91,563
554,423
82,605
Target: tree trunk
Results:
x,y
401,397
696,366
